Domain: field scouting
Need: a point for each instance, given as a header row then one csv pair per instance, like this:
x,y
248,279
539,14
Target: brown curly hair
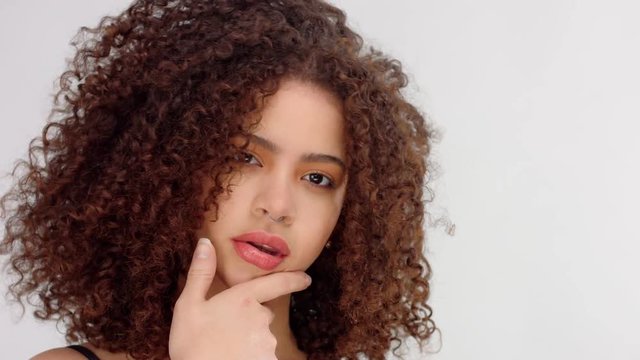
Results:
x,y
103,216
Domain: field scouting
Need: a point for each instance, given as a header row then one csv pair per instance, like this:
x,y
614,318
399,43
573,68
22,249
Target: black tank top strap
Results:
x,y
84,351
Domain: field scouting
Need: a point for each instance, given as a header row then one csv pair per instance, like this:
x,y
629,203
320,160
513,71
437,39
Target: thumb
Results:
x,y
201,271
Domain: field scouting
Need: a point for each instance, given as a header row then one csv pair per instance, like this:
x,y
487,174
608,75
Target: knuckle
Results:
x,y
268,315
272,342
295,281
246,302
200,273
285,283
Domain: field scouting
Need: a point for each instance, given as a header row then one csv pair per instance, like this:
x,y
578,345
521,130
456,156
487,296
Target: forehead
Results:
x,y
303,117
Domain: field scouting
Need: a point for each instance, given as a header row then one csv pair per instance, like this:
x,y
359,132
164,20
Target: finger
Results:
x,y
271,286
201,271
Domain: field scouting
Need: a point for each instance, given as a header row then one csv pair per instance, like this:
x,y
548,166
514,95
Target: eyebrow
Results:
x,y
307,157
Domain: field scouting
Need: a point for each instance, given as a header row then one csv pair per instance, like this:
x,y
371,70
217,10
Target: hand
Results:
x,y
233,324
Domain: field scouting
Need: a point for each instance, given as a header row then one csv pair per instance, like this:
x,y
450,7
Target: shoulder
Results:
x,y
61,353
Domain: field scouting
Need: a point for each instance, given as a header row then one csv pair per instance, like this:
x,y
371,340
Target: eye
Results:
x,y
320,180
249,158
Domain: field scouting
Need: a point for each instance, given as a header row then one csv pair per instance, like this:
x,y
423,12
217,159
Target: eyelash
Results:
x,y
330,184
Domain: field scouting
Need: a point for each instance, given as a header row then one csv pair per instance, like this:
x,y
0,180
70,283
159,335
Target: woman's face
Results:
x,y
291,184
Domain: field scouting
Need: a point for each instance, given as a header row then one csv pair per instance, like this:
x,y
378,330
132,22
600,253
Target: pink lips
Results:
x,y
261,249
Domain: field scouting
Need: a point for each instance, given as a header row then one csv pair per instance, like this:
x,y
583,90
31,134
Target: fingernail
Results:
x,y
308,278
203,250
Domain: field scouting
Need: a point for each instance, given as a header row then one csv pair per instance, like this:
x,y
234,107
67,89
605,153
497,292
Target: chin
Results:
x,y
239,276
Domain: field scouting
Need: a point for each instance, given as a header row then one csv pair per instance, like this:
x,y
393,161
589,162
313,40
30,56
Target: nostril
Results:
x,y
279,219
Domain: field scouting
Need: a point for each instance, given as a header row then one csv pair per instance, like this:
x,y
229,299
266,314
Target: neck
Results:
x,y
287,348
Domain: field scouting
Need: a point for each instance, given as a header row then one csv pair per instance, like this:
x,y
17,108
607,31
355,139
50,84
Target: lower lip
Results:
x,y
256,257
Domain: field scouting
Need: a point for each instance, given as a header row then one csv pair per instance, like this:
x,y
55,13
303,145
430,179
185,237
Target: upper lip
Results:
x,y
265,238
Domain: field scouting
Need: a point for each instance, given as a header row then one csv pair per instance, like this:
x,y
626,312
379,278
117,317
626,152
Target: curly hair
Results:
x,y
102,218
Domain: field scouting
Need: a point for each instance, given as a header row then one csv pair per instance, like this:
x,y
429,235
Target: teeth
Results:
x,y
266,248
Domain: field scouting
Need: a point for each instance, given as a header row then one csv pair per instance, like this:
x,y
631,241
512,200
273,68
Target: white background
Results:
x,y
538,105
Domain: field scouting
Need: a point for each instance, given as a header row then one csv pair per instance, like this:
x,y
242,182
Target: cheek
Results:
x,y
320,221
230,206
231,203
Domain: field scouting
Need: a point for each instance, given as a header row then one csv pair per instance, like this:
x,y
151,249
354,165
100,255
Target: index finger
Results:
x,y
269,287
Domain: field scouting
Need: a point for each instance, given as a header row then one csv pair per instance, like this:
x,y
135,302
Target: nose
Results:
x,y
275,201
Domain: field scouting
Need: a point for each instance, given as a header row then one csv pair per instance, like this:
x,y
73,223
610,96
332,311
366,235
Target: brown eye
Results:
x,y
248,158
320,180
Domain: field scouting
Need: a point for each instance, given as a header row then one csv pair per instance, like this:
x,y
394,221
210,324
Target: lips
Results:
x,y
266,240
261,249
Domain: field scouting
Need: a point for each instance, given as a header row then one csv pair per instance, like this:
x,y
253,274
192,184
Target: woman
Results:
x,y
261,128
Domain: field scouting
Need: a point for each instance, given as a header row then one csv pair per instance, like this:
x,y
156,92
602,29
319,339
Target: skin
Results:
x,y
277,180
299,119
